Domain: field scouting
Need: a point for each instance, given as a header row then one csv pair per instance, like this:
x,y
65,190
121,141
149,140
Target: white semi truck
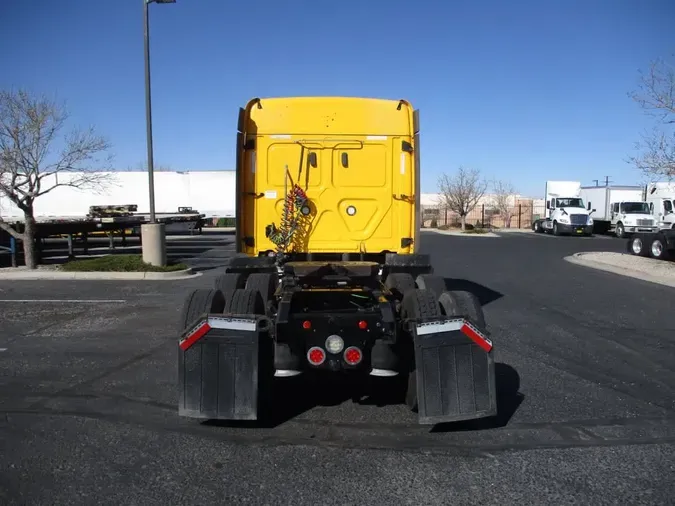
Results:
x,y
566,212
619,209
660,198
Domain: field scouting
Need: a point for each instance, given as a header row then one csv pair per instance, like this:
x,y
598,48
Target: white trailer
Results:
x,y
212,193
661,200
619,209
566,212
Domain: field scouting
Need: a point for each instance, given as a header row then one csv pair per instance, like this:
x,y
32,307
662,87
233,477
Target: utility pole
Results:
x,y
153,234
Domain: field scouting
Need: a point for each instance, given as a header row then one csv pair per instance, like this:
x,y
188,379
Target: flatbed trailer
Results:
x,y
79,229
339,287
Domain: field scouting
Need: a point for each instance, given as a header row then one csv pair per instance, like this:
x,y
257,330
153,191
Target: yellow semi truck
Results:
x,y
328,277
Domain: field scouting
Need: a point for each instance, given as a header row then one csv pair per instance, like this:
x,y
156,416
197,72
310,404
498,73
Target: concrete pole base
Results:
x,y
153,237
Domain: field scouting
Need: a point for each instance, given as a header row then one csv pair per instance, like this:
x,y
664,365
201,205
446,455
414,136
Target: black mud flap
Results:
x,y
223,367
455,371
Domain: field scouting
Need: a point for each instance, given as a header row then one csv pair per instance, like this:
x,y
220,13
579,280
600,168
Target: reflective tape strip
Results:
x,y
402,170
424,329
194,335
476,336
232,324
376,137
462,325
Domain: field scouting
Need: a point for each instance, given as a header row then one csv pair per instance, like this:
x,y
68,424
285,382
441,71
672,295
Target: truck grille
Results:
x,y
644,223
578,219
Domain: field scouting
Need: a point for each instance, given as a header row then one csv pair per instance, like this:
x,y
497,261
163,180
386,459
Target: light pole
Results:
x,y
152,234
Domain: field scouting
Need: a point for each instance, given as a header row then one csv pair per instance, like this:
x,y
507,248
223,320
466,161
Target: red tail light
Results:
x,y
316,356
306,325
363,324
353,355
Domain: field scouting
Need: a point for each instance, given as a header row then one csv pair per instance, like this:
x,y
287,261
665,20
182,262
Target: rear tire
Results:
x,y
199,302
658,248
228,283
245,302
639,245
400,283
265,284
431,282
418,303
463,303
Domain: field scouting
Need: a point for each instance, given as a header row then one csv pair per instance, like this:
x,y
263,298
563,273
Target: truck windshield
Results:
x,y
570,203
635,208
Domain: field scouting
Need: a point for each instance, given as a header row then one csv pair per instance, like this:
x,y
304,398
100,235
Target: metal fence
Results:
x,y
484,216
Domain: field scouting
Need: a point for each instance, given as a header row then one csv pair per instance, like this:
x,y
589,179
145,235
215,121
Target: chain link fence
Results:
x,y
522,215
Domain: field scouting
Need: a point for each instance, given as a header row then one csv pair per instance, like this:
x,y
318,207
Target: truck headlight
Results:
x,y
590,221
564,219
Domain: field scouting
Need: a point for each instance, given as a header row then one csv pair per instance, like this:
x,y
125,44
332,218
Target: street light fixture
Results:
x,y
154,244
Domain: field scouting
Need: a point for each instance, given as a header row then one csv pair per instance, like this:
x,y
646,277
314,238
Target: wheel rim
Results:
x,y
619,230
637,246
657,248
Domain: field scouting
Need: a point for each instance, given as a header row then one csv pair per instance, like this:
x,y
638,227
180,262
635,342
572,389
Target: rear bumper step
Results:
x,y
455,371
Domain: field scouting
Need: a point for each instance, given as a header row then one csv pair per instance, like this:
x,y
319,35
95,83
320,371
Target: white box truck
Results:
x,y
566,211
661,200
619,209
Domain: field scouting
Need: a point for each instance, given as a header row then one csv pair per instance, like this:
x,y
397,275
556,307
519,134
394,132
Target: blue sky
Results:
x,y
523,90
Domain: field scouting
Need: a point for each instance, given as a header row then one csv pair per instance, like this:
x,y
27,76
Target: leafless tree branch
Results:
x,y
656,96
504,200
10,230
31,163
462,191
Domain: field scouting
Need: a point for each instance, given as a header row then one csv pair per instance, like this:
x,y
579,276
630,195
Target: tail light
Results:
x,y
306,325
316,356
353,355
363,324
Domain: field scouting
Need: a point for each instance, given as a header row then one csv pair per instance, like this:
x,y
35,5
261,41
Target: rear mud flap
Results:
x,y
223,367
455,371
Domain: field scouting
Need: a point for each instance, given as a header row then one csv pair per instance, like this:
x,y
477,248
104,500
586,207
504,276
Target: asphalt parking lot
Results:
x,y
586,397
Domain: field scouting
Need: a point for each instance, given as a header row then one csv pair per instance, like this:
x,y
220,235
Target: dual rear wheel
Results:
x,y
428,297
423,297
650,245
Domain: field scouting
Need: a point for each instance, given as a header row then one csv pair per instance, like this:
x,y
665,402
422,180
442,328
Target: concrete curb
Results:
x,y
458,234
514,231
54,275
581,259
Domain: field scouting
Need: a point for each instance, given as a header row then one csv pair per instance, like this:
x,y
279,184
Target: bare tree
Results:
x,y
462,192
504,200
656,95
35,159
157,167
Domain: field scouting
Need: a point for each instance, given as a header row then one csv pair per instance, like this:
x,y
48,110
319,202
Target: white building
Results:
x,y
212,193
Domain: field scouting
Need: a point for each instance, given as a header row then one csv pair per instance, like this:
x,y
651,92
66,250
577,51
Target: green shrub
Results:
x,y
118,263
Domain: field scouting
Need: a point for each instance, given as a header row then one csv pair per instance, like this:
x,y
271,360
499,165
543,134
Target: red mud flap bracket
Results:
x,y
455,371
222,367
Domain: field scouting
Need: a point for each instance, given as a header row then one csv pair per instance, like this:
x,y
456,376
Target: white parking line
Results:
x,y
3,349
69,301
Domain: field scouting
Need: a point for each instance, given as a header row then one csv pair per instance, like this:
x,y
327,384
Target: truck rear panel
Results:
x,y
356,159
